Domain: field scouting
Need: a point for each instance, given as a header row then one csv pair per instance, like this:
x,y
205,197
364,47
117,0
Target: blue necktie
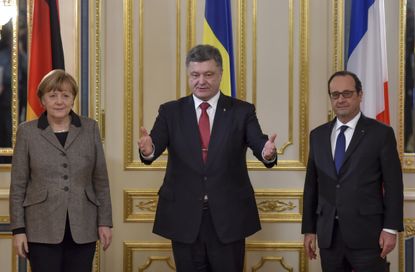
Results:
x,y
340,149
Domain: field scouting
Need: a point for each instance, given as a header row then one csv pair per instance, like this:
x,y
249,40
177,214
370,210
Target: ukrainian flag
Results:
x,y
217,31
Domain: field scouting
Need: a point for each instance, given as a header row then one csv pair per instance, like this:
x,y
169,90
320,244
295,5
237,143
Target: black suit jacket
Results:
x,y
366,195
224,177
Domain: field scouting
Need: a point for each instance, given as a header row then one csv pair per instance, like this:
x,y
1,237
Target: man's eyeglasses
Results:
x,y
345,94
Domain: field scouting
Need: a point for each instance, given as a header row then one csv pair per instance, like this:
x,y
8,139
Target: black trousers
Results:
x,y
66,256
208,253
340,258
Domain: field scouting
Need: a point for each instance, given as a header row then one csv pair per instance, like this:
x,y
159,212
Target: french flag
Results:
x,y
367,56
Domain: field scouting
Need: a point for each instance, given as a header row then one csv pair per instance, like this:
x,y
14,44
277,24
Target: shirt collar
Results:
x,y
351,124
43,120
213,102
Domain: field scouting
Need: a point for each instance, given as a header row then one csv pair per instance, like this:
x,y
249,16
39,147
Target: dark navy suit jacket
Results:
x,y
224,177
366,195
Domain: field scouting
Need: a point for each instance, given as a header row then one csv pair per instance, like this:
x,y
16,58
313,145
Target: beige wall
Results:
x,y
140,65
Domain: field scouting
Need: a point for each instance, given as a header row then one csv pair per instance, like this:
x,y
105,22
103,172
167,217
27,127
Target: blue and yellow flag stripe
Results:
x,y
217,31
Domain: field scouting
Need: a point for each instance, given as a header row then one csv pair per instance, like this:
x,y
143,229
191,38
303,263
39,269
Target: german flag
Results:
x,y
46,51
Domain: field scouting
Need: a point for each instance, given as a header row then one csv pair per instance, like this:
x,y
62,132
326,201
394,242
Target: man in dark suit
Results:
x,y
353,192
206,202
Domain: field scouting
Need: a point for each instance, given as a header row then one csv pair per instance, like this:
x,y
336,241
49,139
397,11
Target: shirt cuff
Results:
x,y
268,161
149,157
391,231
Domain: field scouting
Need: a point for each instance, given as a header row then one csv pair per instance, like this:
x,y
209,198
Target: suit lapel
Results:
x,y
220,127
191,130
357,137
326,144
72,135
50,136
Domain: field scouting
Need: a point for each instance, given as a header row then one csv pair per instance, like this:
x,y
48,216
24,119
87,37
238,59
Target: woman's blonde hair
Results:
x,y
54,80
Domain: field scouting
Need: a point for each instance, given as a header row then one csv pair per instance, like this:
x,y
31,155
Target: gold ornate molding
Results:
x,y
95,103
241,50
268,259
4,195
160,247
409,231
408,159
14,260
14,88
273,205
270,249
153,259
161,252
130,150
338,35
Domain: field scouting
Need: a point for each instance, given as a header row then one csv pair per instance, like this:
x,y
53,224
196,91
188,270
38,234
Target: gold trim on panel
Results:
x,y
278,246
153,259
268,259
191,32
77,44
96,264
251,246
15,78
409,230
279,205
289,141
408,159
129,147
303,88
304,82
147,205
14,259
241,51
14,88
95,102
254,50
273,205
178,47
4,195
191,27
140,63
338,35
128,83
130,247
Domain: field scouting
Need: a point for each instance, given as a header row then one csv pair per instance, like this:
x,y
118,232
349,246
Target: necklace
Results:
x,y
60,131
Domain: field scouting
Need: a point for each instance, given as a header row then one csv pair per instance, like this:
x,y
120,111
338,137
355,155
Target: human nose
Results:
x,y
59,99
202,80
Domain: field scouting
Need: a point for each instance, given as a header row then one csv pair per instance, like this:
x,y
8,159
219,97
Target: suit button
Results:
x,y
338,186
205,178
65,165
66,188
65,177
63,154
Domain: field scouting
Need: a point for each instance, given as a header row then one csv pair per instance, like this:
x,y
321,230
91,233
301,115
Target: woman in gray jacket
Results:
x,y
59,196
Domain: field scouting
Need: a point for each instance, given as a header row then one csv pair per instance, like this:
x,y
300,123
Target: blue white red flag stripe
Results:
x,y
367,56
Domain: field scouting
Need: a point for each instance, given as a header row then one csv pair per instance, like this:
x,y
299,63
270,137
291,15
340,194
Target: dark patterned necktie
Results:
x,y
340,148
204,129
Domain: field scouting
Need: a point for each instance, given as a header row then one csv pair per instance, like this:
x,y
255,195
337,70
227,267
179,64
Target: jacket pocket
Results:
x,y
166,193
35,197
90,194
371,209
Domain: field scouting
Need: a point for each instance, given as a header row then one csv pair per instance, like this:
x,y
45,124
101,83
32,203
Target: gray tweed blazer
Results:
x,y
50,182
